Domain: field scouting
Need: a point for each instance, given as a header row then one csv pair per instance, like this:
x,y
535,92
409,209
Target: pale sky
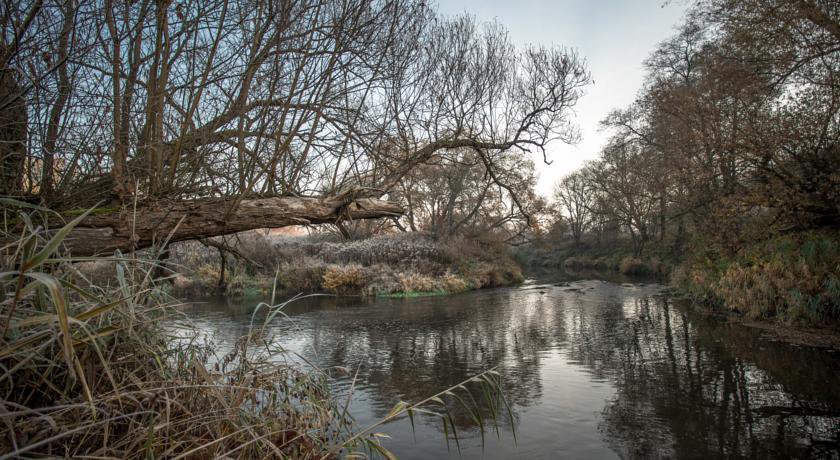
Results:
x,y
614,36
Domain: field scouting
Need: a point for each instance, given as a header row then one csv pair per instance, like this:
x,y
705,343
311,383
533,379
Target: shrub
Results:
x,y
453,284
344,279
244,284
303,275
633,266
415,282
579,263
368,266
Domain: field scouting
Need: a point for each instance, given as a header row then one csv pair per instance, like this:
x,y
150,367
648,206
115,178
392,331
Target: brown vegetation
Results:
x,y
388,264
793,278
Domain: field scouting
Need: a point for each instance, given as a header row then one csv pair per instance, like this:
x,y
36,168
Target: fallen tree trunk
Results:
x,y
153,223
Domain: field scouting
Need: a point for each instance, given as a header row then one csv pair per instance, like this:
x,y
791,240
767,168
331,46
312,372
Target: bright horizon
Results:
x,y
614,36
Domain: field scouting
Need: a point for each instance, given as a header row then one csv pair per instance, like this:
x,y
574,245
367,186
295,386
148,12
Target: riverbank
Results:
x,y
793,279
615,258
393,265
788,285
97,370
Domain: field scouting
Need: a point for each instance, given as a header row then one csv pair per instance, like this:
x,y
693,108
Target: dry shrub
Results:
x,y
368,266
633,266
658,267
302,275
207,274
344,279
792,278
580,263
453,283
792,292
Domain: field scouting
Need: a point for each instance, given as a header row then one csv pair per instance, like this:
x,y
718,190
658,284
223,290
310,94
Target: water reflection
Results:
x,y
591,369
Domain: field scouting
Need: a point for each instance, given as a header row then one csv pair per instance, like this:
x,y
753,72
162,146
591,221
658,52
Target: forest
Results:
x,y
157,150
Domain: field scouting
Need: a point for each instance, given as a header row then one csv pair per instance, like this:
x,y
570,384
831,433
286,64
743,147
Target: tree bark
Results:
x,y
13,133
154,222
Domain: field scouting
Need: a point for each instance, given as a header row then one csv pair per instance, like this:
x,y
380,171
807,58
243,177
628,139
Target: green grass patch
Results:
x,y
412,294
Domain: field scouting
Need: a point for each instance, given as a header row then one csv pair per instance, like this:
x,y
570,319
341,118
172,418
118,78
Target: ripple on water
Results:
x,y
592,369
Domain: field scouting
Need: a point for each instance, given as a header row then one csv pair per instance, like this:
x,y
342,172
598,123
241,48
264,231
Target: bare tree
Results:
x,y
575,194
160,102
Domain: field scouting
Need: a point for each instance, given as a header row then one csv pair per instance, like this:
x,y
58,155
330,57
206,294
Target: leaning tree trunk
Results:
x,y
153,223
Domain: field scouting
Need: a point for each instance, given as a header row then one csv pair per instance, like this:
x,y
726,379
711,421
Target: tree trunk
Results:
x,y
154,222
13,127
222,284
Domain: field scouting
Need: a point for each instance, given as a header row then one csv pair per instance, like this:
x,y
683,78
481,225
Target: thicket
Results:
x,y
795,278
390,264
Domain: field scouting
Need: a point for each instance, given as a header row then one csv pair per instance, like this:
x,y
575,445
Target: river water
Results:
x,y
591,369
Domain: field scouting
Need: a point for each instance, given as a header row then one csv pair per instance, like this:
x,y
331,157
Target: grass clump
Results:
x,y
344,279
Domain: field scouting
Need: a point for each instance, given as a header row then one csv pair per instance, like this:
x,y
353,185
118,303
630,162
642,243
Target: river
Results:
x,y
592,369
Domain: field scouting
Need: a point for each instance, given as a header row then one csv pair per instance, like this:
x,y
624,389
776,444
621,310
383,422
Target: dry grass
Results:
x,y
93,372
380,265
344,279
633,266
416,282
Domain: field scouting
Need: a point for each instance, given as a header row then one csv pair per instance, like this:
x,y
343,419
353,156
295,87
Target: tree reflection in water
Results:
x,y
680,385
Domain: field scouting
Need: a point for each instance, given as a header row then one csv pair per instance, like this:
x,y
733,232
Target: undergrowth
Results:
x,y
381,265
793,278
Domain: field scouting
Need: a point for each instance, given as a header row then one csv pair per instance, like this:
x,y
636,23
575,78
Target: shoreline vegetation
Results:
x,y
788,286
397,265
413,137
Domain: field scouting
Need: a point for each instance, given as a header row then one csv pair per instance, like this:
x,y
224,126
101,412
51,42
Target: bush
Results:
x,y
303,275
347,279
415,282
384,264
633,266
580,263
453,284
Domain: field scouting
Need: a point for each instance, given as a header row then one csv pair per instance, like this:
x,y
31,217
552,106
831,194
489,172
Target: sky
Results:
x,y
614,36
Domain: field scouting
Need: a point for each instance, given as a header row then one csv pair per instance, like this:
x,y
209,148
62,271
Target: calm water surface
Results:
x,y
592,369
